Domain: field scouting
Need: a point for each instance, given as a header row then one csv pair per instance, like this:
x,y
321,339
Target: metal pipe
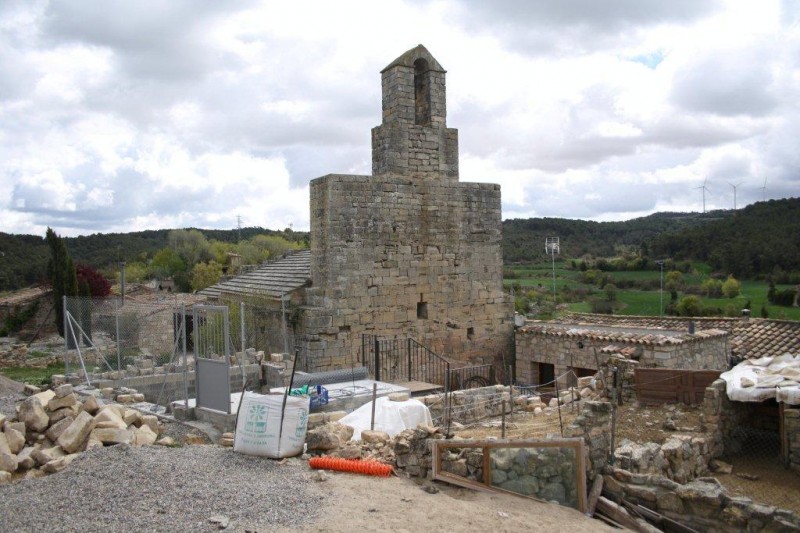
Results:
x,y
119,350
374,401
185,331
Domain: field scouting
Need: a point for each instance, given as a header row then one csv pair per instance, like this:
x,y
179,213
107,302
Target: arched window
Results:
x,y
422,93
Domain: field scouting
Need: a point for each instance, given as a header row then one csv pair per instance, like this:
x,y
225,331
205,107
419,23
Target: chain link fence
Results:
x,y
111,334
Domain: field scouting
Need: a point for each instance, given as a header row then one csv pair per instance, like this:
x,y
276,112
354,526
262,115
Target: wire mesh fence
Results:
x,y
115,335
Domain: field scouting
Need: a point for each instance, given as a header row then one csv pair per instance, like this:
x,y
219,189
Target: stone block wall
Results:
x,y
536,345
394,257
791,424
702,504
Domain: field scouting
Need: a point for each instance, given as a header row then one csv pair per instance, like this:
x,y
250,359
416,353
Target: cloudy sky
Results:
x,y
145,114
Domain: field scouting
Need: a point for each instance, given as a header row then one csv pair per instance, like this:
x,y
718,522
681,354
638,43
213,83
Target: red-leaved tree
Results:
x,y
98,285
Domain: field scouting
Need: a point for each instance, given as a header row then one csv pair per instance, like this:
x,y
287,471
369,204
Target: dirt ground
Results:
x,y
403,505
646,424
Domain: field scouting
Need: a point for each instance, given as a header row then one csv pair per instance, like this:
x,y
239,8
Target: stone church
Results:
x,y
410,250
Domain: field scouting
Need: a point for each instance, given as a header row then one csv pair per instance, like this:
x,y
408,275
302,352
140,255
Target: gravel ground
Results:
x,y
122,488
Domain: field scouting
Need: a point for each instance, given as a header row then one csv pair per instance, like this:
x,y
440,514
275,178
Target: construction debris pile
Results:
x,y
54,426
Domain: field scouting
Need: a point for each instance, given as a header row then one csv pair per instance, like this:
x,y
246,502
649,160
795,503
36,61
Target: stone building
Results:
x,y
410,250
549,350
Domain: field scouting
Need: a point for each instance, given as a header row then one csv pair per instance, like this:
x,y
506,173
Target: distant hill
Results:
x,y
523,239
23,258
759,240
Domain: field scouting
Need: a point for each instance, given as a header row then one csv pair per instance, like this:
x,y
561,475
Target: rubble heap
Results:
x,y
54,426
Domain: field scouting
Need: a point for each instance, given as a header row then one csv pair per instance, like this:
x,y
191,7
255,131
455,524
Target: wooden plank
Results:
x,y
616,513
594,494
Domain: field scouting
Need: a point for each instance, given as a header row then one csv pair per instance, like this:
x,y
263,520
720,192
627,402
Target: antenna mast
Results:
x,y
552,247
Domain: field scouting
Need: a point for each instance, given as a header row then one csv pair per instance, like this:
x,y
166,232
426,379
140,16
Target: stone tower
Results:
x,y
414,139
409,251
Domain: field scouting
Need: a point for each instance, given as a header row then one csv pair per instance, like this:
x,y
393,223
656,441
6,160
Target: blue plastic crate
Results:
x,y
319,396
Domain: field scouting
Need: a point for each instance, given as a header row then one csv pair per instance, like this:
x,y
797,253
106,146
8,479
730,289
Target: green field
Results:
x,y
646,302
34,376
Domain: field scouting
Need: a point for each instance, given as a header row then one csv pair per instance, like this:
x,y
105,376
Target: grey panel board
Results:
x,y
213,384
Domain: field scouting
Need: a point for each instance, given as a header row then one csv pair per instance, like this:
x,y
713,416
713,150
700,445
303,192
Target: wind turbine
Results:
x,y
703,186
764,191
734,193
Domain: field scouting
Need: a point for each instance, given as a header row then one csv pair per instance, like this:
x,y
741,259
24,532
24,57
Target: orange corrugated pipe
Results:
x,y
370,468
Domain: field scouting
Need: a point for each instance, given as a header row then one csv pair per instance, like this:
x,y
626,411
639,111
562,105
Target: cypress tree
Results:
x,y
62,275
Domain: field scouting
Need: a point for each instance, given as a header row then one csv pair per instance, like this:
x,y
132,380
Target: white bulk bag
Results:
x,y
258,425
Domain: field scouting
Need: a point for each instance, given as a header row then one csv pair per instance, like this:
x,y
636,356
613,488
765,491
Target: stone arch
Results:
x,y
422,92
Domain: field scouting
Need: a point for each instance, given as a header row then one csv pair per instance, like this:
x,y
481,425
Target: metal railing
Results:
x,y
470,377
394,360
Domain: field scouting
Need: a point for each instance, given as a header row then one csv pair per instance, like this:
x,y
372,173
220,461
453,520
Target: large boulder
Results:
x,y
144,436
42,456
58,428
60,402
8,462
328,437
33,414
109,418
112,435
74,436
15,439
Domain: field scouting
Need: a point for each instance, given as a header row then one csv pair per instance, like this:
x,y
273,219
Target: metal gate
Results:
x,y
212,356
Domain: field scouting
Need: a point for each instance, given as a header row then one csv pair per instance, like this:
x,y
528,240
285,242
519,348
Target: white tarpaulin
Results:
x,y
391,417
756,380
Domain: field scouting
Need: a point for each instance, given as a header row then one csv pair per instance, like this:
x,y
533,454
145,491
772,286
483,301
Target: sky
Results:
x,y
120,116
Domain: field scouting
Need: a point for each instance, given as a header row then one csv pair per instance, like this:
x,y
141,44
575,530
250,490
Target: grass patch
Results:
x,y
34,376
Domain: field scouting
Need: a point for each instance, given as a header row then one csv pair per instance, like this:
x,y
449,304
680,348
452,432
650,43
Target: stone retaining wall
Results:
x,y
702,504
791,423
681,458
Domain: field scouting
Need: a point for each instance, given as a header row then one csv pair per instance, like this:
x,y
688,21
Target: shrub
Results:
x,y
731,288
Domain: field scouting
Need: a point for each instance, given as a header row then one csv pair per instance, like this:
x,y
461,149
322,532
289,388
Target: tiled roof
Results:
x,y
270,279
750,338
24,296
612,334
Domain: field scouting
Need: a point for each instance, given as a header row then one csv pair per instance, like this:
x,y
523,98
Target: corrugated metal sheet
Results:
x,y
270,279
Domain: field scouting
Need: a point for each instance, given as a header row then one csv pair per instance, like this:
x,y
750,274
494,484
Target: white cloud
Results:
x,y
135,115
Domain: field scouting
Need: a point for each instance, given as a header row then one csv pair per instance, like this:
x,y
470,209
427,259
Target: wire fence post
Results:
x,y
558,406
244,344
185,331
503,420
66,342
614,394
116,326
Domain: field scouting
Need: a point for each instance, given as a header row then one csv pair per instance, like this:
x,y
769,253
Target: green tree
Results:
x,y
191,245
689,306
673,281
711,287
167,263
731,288
62,275
205,274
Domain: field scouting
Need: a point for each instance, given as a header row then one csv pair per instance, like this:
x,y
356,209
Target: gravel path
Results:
x,y
122,488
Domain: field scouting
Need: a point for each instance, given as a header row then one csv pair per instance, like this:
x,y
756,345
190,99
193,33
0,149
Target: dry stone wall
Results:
x,y
702,504
791,422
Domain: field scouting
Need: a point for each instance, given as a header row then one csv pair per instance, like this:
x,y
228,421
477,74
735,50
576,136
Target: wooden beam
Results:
x,y
594,494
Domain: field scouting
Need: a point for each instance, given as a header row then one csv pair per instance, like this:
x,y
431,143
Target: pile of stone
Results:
x,y
54,426
681,458
588,388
